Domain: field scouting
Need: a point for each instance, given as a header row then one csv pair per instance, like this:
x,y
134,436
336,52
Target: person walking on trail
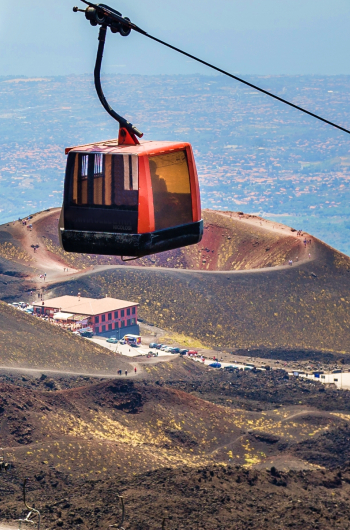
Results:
x,y
44,276
126,372
309,255
135,369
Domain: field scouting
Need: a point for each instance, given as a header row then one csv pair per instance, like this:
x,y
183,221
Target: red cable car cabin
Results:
x,y
130,200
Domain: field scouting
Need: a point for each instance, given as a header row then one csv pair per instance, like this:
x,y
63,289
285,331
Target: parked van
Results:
x,y
133,339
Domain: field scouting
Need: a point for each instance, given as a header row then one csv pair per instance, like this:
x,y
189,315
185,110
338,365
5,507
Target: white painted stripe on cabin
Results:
x,y
126,172
135,172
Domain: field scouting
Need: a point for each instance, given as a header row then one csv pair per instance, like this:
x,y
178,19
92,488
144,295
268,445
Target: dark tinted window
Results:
x,y
103,318
133,310
128,311
109,316
122,312
116,314
171,189
103,180
97,320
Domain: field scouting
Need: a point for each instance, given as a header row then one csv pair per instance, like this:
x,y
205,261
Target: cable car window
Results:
x,y
98,180
104,180
171,189
125,181
83,180
84,165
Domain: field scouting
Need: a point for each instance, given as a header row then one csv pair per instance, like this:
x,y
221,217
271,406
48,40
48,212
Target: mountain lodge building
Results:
x,y
106,316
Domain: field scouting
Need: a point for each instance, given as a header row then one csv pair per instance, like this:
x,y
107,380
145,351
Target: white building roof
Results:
x,y
85,306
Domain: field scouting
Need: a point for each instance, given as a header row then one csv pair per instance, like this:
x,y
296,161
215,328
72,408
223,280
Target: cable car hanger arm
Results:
x,y
124,124
116,18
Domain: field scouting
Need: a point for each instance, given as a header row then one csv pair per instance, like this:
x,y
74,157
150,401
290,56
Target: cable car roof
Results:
x,y
146,147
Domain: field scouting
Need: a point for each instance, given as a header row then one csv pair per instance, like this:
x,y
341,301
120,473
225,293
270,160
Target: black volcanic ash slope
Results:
x,y
301,307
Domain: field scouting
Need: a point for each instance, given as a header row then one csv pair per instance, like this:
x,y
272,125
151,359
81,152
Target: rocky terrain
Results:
x,y
186,446
173,456
235,290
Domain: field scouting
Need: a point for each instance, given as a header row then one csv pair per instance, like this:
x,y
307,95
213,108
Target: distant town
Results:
x,y
252,153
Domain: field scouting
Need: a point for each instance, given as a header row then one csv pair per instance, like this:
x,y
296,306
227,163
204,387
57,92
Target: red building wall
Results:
x,y
114,320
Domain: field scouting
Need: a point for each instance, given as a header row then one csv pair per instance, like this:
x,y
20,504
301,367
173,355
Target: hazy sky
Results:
x,y
245,36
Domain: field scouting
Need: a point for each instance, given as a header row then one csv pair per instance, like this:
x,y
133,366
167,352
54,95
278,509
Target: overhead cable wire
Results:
x,y
266,92
107,11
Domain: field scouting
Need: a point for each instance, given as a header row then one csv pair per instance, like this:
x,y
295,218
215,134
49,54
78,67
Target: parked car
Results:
x,y
231,368
175,350
122,341
183,352
87,334
163,347
158,347
215,365
153,345
192,352
112,340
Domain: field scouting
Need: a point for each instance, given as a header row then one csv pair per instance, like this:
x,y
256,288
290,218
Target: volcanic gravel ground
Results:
x,y
295,355
207,498
45,382
71,491
258,390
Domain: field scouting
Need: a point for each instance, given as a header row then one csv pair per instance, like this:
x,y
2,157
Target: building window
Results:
x,y
122,313
336,380
123,323
97,320
133,310
109,316
128,311
38,310
116,325
103,318
110,327
115,314
129,322
323,377
133,321
103,329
